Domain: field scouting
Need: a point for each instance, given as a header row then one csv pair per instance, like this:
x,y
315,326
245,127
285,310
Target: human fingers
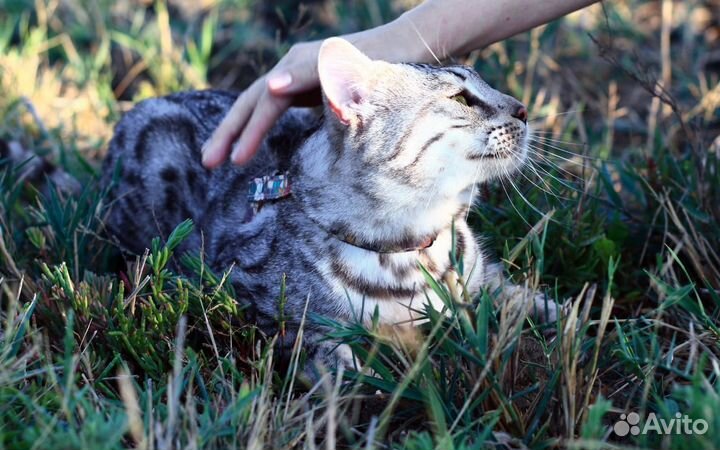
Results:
x,y
218,147
268,110
294,78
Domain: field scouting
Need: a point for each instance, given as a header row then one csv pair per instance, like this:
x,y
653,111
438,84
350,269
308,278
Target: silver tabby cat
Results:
x,y
377,181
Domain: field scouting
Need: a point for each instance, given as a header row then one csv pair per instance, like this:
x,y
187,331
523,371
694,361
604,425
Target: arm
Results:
x,y
448,27
456,27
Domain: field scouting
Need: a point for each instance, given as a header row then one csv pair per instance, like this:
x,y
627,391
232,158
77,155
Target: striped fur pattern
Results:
x,y
401,169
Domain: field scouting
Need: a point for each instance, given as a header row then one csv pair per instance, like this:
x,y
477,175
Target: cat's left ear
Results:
x,y
344,77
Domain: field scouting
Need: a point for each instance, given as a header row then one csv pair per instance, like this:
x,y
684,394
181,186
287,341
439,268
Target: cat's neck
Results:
x,y
344,199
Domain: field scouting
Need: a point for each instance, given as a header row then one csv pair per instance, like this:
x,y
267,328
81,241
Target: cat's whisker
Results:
x,y
514,186
583,162
566,151
534,208
433,191
557,146
506,175
567,183
547,116
537,156
507,194
549,155
556,141
559,180
545,189
514,155
541,146
564,183
531,165
554,145
423,41
544,132
539,153
472,192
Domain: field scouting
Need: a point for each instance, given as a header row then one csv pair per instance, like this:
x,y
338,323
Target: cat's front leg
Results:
x,y
540,307
326,356
331,355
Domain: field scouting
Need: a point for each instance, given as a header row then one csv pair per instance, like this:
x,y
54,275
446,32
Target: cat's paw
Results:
x,y
329,357
526,302
544,309
342,356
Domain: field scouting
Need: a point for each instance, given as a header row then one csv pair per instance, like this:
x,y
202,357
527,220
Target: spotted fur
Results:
x,y
401,170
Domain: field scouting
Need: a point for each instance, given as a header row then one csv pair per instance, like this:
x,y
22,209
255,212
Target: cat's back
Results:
x,y
182,117
188,119
155,159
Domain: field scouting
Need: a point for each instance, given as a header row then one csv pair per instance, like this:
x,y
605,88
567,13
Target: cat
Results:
x,y
360,194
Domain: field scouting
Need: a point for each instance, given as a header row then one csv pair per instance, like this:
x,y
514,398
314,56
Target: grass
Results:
x,y
618,215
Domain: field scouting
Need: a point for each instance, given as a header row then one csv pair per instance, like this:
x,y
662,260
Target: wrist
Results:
x,y
394,42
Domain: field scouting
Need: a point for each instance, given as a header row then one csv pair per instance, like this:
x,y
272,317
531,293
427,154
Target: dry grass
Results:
x,y
618,214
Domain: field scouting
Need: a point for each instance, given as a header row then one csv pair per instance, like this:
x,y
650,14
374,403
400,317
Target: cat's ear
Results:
x,y
344,76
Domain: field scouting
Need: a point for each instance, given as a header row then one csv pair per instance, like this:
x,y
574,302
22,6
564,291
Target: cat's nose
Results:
x,y
520,113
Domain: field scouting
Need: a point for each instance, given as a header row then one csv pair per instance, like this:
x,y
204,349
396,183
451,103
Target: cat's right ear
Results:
x,y
344,77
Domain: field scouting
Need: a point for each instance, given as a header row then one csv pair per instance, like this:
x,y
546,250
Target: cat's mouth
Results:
x,y
497,154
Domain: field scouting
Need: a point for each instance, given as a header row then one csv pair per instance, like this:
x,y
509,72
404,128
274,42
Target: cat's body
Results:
x,y
369,201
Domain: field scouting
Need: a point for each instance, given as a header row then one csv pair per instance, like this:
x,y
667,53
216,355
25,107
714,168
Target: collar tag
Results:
x,y
269,187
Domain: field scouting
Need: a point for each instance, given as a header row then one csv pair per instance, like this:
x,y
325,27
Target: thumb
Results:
x,y
291,82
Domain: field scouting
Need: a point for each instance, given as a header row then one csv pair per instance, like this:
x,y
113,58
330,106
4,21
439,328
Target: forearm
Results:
x,y
445,28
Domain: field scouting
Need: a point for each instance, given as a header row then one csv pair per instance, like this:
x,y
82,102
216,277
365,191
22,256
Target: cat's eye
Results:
x,y
460,99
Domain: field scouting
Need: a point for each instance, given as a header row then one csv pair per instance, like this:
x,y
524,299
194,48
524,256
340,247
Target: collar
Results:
x,y
276,187
400,246
386,247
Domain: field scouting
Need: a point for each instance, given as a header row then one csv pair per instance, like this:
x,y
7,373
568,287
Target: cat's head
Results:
x,y
438,129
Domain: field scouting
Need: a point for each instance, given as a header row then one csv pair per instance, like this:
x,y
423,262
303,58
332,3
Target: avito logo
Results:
x,y
681,424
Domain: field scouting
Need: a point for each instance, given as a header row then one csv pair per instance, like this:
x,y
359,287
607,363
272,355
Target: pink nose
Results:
x,y
520,113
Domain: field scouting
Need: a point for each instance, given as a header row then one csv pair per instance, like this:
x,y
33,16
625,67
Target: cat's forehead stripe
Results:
x,y
458,71
462,74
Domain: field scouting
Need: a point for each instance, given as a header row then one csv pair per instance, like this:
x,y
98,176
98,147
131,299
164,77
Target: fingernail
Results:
x,y
279,81
204,149
235,151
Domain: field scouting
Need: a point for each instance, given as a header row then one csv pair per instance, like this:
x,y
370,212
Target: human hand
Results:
x,y
257,109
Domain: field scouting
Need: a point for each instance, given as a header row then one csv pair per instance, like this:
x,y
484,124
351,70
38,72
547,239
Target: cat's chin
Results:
x,y
489,169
